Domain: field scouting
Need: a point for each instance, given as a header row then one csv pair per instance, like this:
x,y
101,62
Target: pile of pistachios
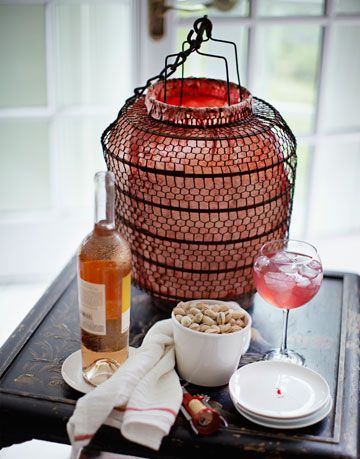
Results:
x,y
209,317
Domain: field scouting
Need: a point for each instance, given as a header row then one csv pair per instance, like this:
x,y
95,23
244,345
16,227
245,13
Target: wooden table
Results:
x,y
36,402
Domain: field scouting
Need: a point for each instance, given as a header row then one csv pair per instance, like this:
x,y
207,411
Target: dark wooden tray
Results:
x,y
36,402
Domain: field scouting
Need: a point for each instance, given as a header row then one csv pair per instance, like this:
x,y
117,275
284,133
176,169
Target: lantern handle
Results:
x,y
207,25
226,69
203,29
236,59
182,70
200,26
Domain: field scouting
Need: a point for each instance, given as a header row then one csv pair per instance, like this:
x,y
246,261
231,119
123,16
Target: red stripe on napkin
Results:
x,y
83,437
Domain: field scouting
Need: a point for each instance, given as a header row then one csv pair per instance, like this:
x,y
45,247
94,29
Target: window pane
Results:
x,y
93,53
22,56
334,207
202,66
342,82
347,6
24,165
240,8
290,7
301,195
78,143
286,63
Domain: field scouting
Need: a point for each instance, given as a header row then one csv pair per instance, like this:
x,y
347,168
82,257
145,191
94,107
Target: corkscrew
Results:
x,y
203,419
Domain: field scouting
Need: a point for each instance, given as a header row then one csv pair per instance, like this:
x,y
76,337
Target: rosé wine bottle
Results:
x,y
104,282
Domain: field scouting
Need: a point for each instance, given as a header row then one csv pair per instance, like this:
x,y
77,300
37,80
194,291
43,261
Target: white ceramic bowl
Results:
x,y
209,359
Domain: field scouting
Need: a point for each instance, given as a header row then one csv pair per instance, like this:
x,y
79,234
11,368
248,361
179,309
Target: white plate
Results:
x,y
291,419
278,390
71,372
289,424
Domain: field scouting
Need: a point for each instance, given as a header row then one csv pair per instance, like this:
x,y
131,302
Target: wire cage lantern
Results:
x,y
205,175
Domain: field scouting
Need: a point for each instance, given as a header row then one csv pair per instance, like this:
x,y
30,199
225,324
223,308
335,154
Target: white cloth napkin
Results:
x,y
142,398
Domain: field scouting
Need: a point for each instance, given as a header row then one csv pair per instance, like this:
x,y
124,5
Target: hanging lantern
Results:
x,y
205,175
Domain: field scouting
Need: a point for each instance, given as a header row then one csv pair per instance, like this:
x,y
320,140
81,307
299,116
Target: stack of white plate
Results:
x,y
280,395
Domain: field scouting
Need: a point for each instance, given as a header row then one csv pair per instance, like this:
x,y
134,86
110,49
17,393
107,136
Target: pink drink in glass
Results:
x,y
287,279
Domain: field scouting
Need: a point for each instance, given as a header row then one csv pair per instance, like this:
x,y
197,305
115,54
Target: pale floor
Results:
x,y
17,299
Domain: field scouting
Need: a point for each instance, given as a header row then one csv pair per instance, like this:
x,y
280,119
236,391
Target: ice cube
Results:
x,y
314,264
261,262
279,281
297,258
318,279
281,257
310,270
301,281
289,268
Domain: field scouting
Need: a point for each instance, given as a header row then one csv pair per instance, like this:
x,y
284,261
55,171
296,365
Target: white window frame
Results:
x,y
30,240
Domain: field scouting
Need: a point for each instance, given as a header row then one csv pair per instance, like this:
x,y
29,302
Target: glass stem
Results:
x,y
283,347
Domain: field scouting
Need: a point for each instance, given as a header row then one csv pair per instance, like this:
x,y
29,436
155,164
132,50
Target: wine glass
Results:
x,y
287,274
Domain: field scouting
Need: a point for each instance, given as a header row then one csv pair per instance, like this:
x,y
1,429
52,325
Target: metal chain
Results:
x,y
201,26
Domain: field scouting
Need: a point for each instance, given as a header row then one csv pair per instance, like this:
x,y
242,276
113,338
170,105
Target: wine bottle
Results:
x,y
104,283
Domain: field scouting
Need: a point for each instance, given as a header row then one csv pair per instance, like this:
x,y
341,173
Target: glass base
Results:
x,y
100,371
286,356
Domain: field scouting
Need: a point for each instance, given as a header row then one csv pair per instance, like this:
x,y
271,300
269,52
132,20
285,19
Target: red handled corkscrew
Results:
x,y
203,419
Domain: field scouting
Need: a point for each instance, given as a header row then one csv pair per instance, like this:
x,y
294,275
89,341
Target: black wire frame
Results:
x,y
201,26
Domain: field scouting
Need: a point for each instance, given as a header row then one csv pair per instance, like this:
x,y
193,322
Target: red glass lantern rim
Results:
x,y
205,102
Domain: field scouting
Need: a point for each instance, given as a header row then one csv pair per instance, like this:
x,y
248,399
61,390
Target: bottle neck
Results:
x,y
105,200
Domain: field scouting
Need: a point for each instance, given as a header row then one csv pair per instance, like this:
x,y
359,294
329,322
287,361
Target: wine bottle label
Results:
x,y
125,300
92,305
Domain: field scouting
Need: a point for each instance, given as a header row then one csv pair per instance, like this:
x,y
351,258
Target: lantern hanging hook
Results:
x,y
202,25
203,29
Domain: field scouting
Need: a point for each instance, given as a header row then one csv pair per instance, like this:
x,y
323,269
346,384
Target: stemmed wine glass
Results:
x,y
287,274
